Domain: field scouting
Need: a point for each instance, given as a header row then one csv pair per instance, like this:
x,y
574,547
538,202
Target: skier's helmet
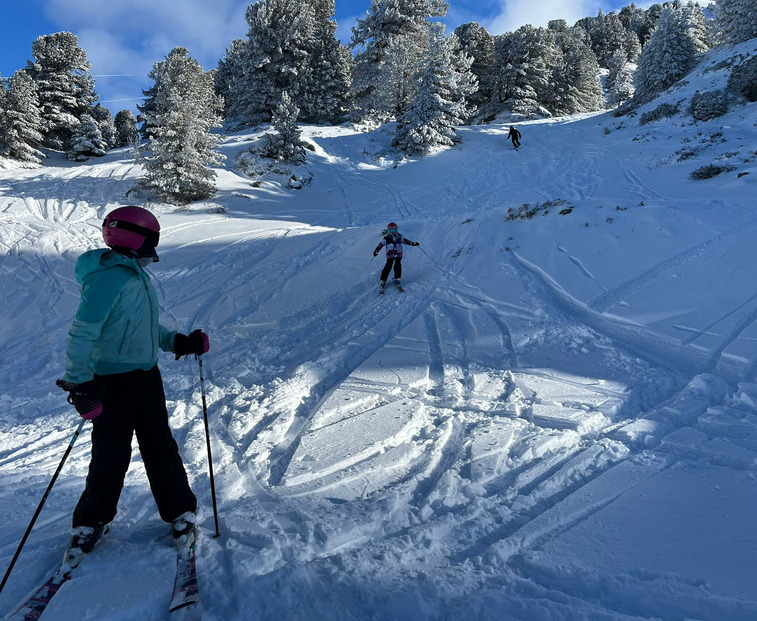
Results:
x,y
131,230
392,227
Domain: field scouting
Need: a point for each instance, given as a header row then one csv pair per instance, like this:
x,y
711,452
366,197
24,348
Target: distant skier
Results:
x,y
515,136
113,380
393,242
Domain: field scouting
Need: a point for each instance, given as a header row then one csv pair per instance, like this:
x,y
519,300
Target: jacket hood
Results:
x,y
101,259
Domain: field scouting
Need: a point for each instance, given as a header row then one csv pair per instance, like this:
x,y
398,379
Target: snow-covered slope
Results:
x,y
556,420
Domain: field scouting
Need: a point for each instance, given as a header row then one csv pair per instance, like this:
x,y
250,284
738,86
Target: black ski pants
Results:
x,y
133,402
393,261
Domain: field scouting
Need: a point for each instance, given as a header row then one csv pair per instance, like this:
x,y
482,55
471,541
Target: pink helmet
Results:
x,y
131,228
392,225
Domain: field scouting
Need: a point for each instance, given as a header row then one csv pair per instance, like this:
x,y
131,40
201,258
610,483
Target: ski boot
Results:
x,y
183,530
83,539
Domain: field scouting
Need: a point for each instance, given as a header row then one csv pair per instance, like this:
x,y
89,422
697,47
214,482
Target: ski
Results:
x,y
35,605
186,589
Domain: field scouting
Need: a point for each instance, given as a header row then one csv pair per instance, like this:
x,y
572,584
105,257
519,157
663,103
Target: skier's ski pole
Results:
x,y
432,260
207,440
42,503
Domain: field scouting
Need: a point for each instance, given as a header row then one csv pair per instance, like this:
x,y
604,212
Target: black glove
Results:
x,y
375,253
415,244
196,343
85,397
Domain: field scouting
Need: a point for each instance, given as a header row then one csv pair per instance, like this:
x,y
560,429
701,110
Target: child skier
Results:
x,y
113,380
393,242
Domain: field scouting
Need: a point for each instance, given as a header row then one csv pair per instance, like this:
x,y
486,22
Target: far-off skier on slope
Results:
x,y
393,242
515,136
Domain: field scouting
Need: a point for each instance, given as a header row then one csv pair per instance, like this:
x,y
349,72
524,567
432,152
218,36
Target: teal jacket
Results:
x,y
116,328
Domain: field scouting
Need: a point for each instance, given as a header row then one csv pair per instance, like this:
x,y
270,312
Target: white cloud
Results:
x,y
130,36
517,13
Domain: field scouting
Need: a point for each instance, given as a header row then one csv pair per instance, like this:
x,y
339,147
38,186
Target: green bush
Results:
x,y
743,79
708,105
663,111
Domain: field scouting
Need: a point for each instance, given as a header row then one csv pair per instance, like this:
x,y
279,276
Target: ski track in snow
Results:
x,y
433,454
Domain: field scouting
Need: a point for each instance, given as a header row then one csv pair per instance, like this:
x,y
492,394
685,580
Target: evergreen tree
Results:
x,y
634,20
619,83
440,102
127,132
64,85
735,20
477,43
392,39
185,108
671,50
326,90
285,144
527,70
87,141
229,76
104,120
276,58
576,86
22,120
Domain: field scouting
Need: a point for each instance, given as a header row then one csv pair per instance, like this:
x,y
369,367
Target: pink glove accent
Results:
x,y
93,413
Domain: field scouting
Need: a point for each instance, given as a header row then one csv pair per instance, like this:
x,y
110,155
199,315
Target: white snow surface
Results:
x,y
557,420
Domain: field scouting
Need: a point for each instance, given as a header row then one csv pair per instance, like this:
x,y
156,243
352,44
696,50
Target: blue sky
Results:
x,y
124,38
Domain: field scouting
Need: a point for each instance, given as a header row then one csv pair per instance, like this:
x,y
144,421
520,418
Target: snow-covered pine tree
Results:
x,y
127,132
735,20
476,42
22,120
576,86
285,144
525,72
87,141
326,88
634,20
184,110
276,58
65,87
619,82
229,75
391,40
670,52
613,36
104,120
440,102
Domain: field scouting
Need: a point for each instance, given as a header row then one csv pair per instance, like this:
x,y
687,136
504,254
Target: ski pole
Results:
x,y
429,256
207,441
42,503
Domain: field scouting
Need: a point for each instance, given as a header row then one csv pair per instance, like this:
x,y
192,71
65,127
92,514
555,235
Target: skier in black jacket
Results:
x,y
515,135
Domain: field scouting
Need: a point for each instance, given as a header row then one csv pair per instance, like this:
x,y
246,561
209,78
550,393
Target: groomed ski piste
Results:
x,y
556,420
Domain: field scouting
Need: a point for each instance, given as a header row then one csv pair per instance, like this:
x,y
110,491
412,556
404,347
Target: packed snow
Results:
x,y
556,420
